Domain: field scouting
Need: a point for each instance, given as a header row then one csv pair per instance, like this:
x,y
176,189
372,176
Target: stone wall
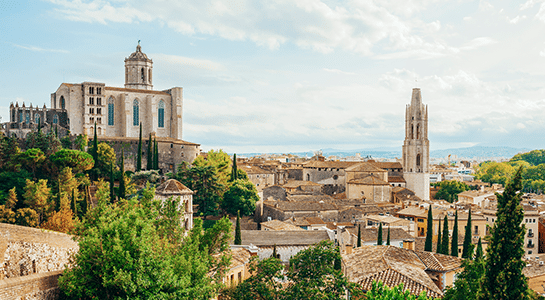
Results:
x,y
31,260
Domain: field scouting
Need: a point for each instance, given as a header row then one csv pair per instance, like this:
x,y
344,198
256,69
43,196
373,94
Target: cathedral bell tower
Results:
x,y
416,148
138,68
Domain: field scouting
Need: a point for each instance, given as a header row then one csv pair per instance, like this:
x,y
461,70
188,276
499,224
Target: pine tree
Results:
x,y
468,246
358,242
429,232
11,201
238,235
112,179
139,156
445,241
379,235
454,240
234,168
74,204
149,165
439,240
388,238
504,258
122,188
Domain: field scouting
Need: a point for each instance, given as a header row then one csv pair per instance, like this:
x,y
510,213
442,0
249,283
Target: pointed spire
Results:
x,y
23,103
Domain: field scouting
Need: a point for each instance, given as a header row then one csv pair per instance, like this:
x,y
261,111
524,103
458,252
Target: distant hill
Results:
x,y
390,153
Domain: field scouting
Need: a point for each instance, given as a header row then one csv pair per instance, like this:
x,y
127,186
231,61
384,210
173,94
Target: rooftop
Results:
x,y
283,237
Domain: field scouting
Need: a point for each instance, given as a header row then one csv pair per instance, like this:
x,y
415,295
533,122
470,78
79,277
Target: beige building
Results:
x,y
174,188
416,148
118,112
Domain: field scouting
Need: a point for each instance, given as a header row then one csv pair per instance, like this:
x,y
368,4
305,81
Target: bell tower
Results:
x,y
138,69
416,148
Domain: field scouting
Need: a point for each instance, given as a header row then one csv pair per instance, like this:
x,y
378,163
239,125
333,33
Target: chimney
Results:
x,y
348,249
409,244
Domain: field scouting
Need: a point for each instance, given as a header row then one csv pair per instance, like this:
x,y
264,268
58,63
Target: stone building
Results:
x,y
416,148
24,119
174,188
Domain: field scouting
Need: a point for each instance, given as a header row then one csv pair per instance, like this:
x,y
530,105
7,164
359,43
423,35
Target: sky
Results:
x,y
288,76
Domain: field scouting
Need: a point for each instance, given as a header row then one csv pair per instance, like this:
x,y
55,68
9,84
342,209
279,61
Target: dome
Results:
x,y
138,55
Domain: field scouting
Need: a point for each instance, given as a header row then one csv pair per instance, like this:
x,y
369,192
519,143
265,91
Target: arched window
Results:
x,y
412,132
111,111
418,160
142,75
37,118
135,113
27,117
161,114
149,75
55,119
63,104
418,131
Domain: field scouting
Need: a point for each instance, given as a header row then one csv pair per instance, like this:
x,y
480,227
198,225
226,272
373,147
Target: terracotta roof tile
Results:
x,y
172,187
365,167
369,180
118,89
279,225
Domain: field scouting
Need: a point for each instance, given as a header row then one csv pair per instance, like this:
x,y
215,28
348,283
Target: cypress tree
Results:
x,y
503,277
58,202
337,264
156,155
358,242
238,235
388,238
56,132
139,156
439,240
75,207
95,146
379,235
234,168
445,241
466,252
429,232
454,240
479,252
149,164
274,254
122,188
112,179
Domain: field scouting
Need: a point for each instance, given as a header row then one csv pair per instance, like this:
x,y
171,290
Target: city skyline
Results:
x,y
298,76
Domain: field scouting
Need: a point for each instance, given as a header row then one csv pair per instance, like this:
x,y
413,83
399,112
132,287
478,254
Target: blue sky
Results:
x,y
279,76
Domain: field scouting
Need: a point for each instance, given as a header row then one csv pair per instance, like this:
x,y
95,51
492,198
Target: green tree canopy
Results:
x,y
449,190
77,160
204,181
241,196
535,157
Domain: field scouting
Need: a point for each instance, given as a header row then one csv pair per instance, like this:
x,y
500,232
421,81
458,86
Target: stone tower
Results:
x,y
138,68
416,148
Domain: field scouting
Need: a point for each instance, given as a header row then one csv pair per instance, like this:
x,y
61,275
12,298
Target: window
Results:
x,y
37,118
99,120
63,104
27,117
421,220
99,90
55,119
91,90
99,101
91,101
111,111
142,75
91,110
161,114
99,110
418,160
135,113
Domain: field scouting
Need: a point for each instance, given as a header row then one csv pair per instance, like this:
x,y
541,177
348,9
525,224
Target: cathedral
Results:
x,y
117,113
416,148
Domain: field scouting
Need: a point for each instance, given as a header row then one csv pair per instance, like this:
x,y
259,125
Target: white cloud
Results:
x,y
188,61
338,71
39,49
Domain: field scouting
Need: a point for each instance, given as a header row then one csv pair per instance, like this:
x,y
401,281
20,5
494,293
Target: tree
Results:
x,y
205,182
81,142
380,291
274,253
149,161
467,251
220,161
155,155
240,197
106,158
449,190
445,241
27,217
32,159
112,180
77,160
36,197
122,187
454,240
379,234
439,240
234,172
142,261
359,236
238,235
139,156
429,232
503,272
61,221
388,238
94,150
265,282
468,284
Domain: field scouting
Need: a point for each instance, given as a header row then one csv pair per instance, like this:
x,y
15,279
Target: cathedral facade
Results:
x,y
416,147
118,112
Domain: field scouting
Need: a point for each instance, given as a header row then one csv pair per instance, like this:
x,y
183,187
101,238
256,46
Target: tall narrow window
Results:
x,y
55,119
418,131
135,113
37,118
99,101
418,160
111,111
27,117
142,75
161,114
63,104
